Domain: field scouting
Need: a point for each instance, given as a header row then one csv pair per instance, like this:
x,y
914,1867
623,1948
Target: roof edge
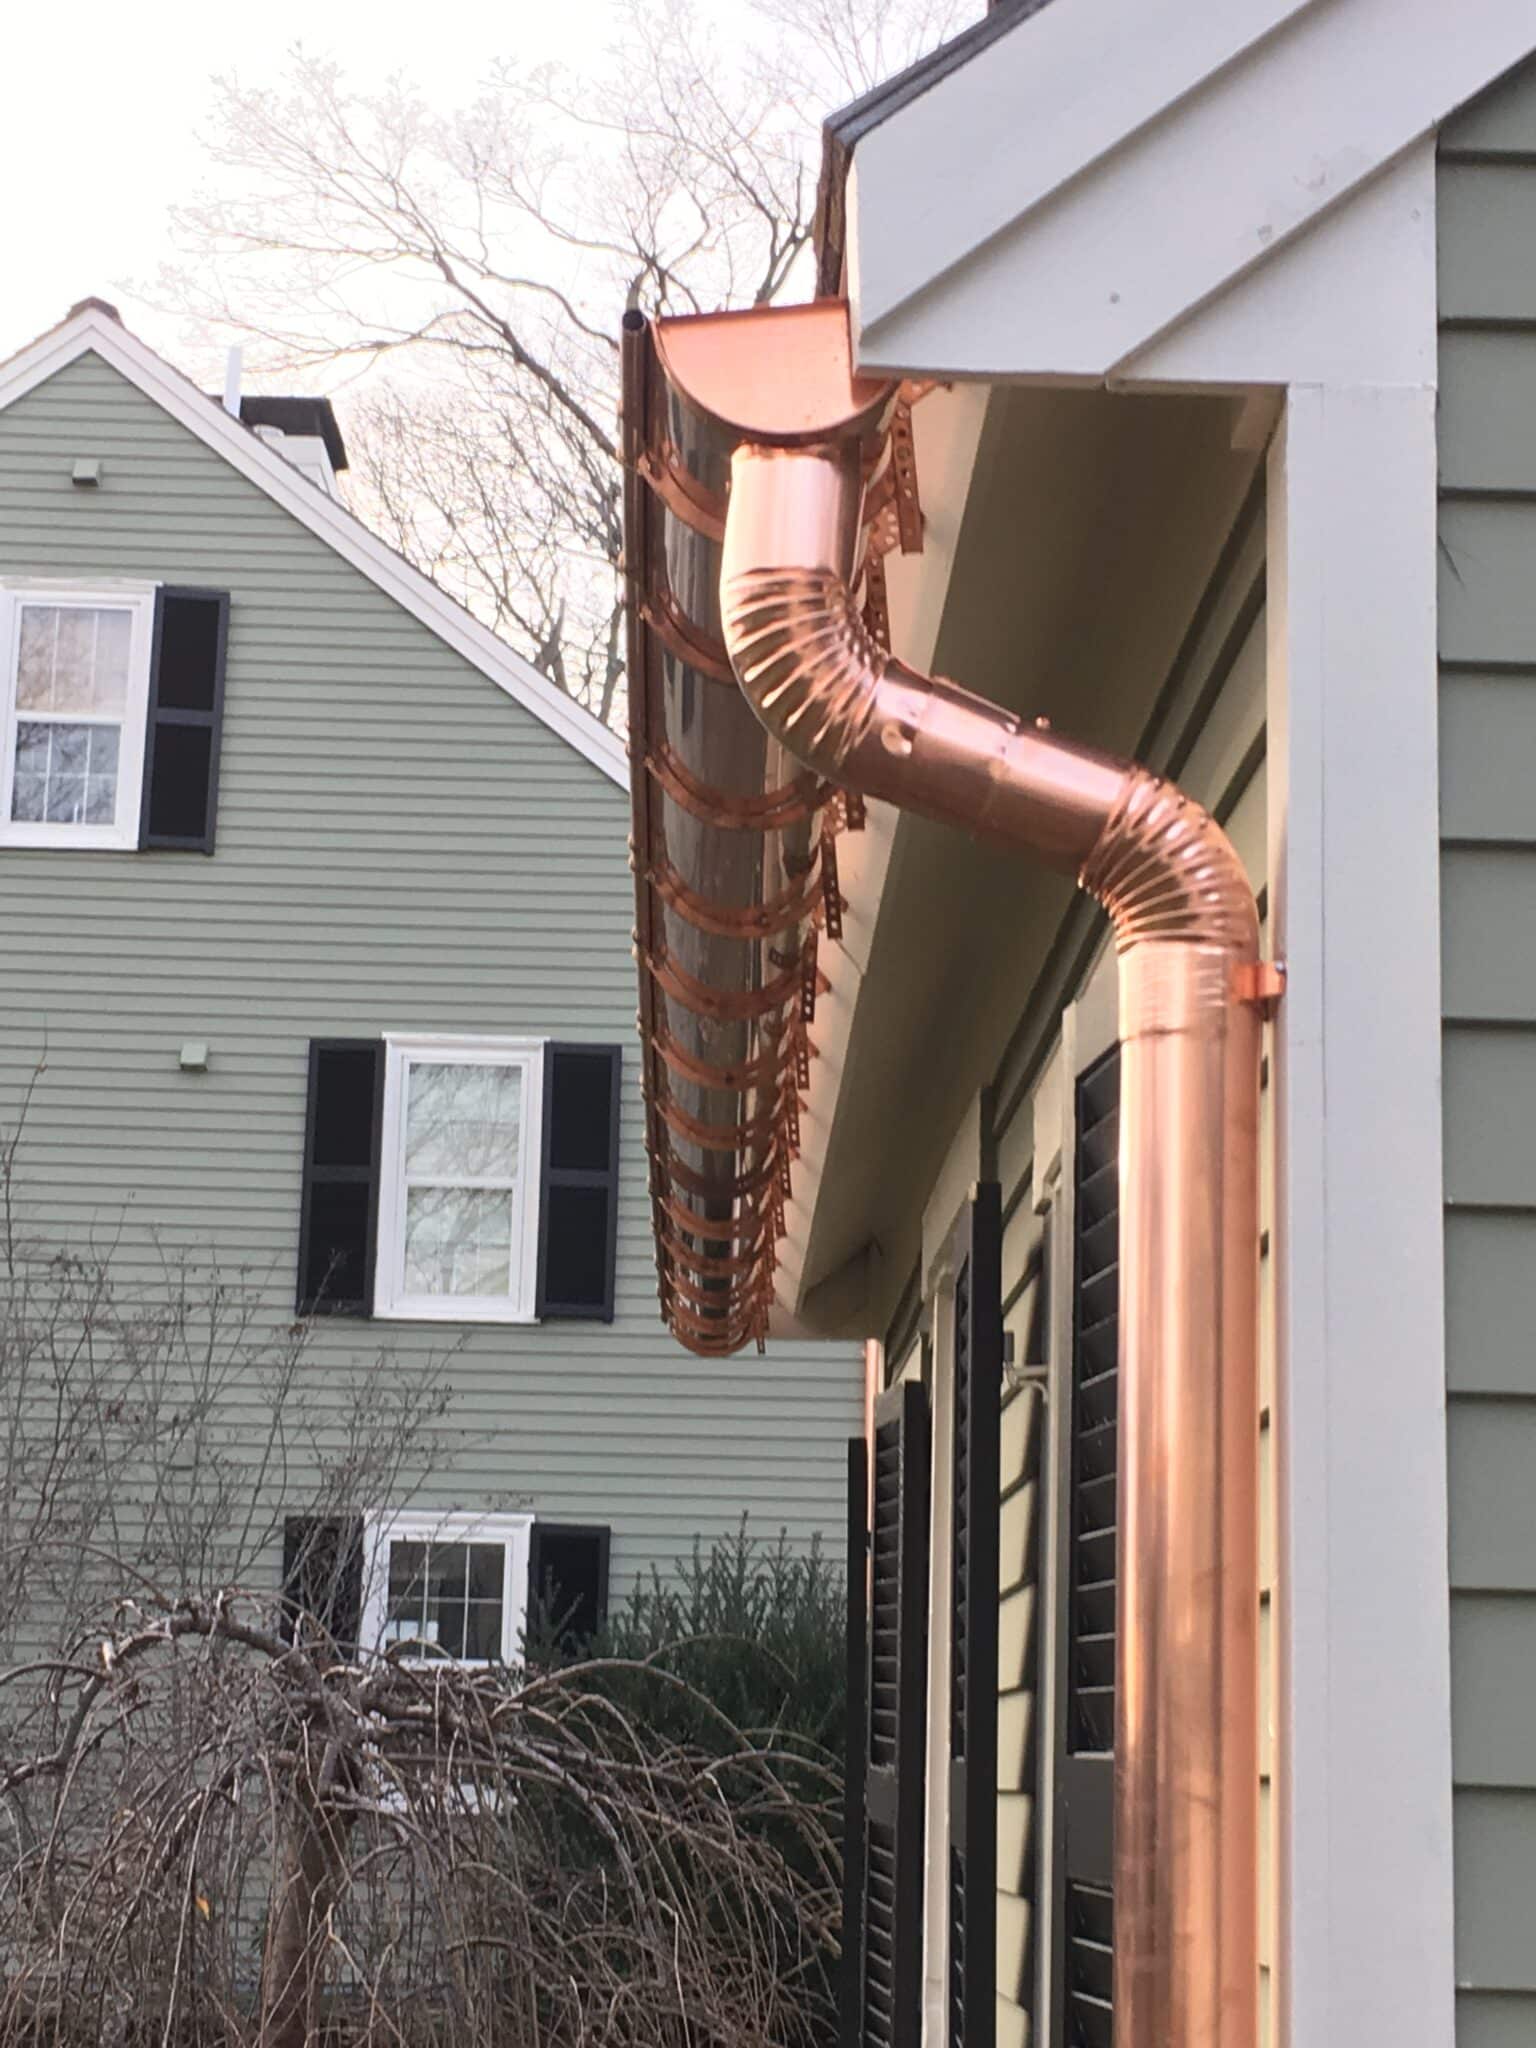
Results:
x,y
94,329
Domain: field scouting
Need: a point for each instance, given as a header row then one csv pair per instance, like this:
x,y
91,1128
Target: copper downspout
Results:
x,y
1186,929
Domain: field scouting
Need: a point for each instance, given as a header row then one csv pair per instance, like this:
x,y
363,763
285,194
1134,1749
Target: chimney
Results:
x,y
302,430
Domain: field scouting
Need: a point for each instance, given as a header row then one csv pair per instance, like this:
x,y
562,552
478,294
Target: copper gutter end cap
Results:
x,y
794,383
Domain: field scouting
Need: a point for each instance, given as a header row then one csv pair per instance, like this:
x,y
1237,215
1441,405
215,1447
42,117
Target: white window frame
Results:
x,y
401,1052
426,1525
122,835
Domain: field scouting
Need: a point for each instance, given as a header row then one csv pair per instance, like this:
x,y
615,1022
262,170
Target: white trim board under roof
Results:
x,y
1049,208
93,329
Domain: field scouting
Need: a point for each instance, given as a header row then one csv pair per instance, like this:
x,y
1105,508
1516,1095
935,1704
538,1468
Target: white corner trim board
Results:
x,y
95,331
1365,1938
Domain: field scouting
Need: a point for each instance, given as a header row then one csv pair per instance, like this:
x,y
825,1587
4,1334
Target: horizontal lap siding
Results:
x,y
400,847
1209,734
1487,443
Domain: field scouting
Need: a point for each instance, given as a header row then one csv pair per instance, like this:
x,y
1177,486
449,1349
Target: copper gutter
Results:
x,y
1186,929
734,843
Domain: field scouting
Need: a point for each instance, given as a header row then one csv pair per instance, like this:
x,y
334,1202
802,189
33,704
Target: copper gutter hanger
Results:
x,y
808,435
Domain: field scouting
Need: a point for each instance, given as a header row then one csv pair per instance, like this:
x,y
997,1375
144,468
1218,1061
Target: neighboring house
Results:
x,y
1214,331
315,897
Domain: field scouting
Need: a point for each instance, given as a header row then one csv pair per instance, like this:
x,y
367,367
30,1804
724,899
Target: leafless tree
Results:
x,y
485,255
222,1825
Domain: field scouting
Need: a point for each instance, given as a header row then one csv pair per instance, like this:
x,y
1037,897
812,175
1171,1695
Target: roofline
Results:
x,y
95,330
1041,212
843,130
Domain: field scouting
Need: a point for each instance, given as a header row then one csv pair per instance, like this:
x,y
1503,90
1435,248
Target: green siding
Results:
x,y
1487,448
400,847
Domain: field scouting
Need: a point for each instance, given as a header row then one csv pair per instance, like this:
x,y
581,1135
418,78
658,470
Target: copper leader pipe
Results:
x,y
1186,929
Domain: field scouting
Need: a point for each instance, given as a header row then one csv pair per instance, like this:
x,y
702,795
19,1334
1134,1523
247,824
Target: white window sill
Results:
x,y
448,1311
71,838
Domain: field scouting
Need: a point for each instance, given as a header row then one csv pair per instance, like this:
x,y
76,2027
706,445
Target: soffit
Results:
x,y
1093,523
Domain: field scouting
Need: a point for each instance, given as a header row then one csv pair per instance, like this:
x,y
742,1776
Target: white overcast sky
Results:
x,y
103,103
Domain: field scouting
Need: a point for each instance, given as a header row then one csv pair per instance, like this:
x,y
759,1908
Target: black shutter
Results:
x,y
339,1211
896,1701
857,1759
323,1576
579,1181
1087,1765
186,716
568,1581
972,1873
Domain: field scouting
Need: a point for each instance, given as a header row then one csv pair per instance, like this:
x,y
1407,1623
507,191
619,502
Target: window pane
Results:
x,y
407,1590
447,1569
445,1599
487,1562
65,774
482,1633
458,1241
463,1121
73,658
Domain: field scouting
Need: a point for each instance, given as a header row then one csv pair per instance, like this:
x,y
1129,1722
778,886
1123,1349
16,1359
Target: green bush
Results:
x,y
756,1629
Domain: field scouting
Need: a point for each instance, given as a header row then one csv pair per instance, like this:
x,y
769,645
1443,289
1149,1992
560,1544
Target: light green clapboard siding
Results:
x,y
400,846
1487,454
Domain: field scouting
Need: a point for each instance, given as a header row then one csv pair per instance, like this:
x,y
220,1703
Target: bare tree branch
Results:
x,y
470,266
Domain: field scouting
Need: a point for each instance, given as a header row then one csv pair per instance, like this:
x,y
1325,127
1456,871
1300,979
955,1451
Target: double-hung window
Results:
x,y
75,693
447,1585
458,1211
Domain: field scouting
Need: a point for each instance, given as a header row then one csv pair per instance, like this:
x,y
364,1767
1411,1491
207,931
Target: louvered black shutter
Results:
x,y
895,1776
972,1876
1087,1768
323,1576
568,1581
857,1759
186,716
579,1182
339,1208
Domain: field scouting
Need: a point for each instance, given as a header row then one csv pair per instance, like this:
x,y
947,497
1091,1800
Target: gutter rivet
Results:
x,y
896,739
1042,724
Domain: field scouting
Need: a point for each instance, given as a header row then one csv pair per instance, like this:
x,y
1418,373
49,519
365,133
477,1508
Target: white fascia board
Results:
x,y
1278,325
95,331
1029,112
1153,229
